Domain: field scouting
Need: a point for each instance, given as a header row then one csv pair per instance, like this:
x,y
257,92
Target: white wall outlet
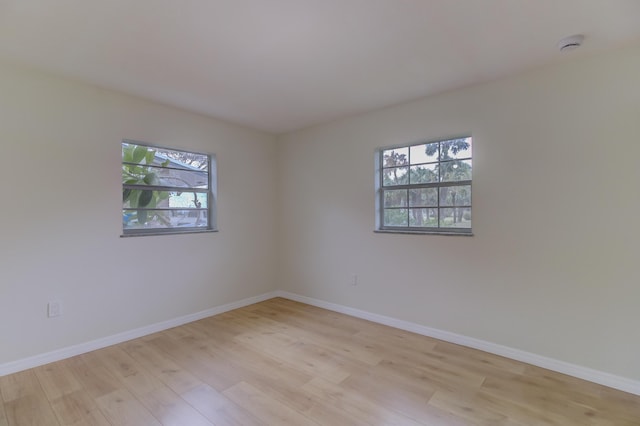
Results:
x,y
54,309
354,279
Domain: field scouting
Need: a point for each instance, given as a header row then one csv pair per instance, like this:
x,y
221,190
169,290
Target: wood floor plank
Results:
x,y
256,365
567,403
264,407
56,380
466,405
93,376
30,410
18,385
278,379
338,343
361,408
218,408
162,402
172,410
3,417
190,355
308,358
133,375
93,418
328,322
476,359
408,397
280,362
121,408
391,338
328,414
519,412
220,328
627,406
436,367
320,323
25,401
252,366
162,367
432,377
78,408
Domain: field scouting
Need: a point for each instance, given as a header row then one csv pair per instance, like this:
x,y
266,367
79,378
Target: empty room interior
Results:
x,y
408,212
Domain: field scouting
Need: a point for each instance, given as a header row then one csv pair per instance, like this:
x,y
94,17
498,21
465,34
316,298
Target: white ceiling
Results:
x,y
281,65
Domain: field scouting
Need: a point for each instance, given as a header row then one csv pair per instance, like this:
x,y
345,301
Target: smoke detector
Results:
x,y
570,43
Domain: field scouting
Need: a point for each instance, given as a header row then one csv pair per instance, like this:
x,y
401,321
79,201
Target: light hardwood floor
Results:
x,y
285,363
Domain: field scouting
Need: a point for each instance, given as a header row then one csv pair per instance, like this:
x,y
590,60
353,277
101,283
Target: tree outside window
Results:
x,y
426,187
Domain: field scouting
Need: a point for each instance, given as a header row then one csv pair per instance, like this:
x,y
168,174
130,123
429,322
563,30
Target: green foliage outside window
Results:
x,y
136,171
427,186
165,190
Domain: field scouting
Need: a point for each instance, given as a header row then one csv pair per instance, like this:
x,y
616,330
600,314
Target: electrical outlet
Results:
x,y
354,279
54,309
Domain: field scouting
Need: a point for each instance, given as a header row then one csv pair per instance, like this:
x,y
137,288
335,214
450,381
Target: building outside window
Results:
x,y
166,191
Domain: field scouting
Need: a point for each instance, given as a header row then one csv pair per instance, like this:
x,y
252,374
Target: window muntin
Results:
x,y
166,191
426,187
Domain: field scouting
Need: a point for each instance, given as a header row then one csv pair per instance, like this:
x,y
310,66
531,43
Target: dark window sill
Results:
x,y
156,233
403,231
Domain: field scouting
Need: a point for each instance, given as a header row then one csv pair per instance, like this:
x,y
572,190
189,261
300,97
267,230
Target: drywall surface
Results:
x,y
552,268
60,220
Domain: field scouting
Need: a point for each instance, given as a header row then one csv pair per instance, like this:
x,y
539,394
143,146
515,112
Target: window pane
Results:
x,y
423,218
162,176
456,170
455,195
395,157
427,153
185,176
145,198
188,200
148,199
143,165
147,175
423,197
455,148
149,155
395,198
455,217
395,217
182,159
435,178
425,173
150,219
395,176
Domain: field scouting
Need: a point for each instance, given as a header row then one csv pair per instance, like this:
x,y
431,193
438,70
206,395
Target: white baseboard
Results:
x,y
68,352
617,382
596,376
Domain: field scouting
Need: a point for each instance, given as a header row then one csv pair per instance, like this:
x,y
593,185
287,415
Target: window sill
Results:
x,y
156,233
402,231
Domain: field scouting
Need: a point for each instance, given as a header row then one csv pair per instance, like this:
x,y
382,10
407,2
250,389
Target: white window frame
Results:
x,y
211,196
381,188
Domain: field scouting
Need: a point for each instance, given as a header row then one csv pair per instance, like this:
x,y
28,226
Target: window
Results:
x,y
425,187
166,191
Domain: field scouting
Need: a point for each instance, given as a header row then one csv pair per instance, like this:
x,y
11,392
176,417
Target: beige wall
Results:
x,y
552,268
61,222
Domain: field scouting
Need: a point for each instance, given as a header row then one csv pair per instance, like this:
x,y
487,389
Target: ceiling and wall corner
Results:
x,y
284,65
